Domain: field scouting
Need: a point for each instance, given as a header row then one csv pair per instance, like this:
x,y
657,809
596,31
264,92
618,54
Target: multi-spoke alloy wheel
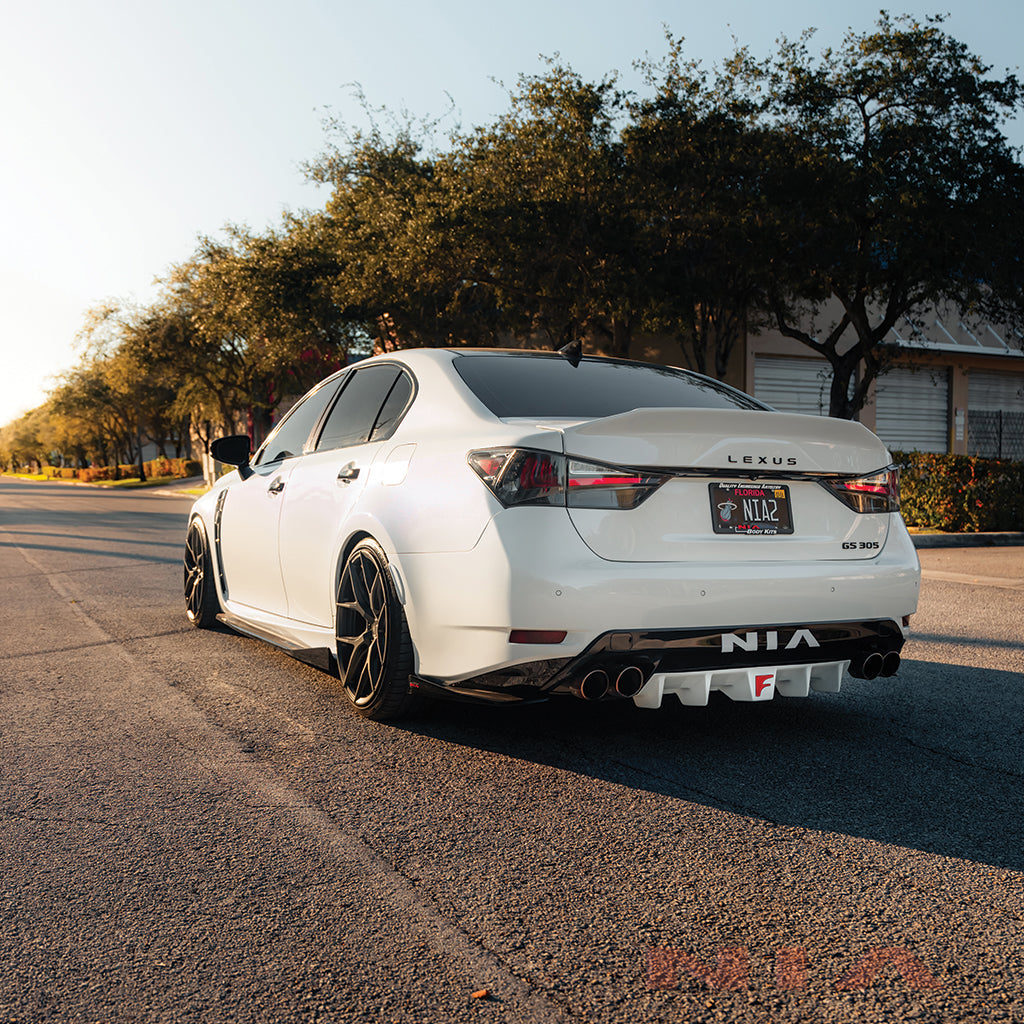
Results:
x,y
201,604
373,645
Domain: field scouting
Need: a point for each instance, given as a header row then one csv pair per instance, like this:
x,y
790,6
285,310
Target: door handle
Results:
x,y
348,472
276,487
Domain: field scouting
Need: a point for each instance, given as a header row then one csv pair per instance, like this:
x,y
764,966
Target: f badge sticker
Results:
x,y
763,681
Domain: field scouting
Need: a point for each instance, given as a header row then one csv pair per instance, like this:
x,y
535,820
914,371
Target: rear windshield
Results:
x,y
549,386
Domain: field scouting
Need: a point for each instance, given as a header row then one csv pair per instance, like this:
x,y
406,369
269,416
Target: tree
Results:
x,y
910,196
539,207
117,386
248,320
403,272
706,180
79,405
23,441
521,226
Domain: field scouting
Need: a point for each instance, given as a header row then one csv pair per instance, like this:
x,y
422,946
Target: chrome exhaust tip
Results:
x,y
869,668
630,681
890,664
593,686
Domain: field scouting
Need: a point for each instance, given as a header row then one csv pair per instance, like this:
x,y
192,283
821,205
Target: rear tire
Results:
x,y
202,605
374,649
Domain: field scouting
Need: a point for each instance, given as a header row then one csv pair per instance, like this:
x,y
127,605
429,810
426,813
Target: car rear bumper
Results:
x,y
530,570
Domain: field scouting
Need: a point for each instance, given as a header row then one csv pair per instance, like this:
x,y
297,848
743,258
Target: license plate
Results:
x,y
757,510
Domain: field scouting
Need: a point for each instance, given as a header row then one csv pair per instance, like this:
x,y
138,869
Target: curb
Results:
x,y
967,540
179,489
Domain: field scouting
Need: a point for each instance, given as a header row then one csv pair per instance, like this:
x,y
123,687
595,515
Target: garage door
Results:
x,y
793,385
912,409
995,414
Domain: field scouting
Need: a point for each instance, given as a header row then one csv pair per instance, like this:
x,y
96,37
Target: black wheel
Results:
x,y
201,604
373,645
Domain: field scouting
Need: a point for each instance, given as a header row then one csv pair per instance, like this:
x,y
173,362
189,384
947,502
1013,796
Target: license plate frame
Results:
x,y
751,509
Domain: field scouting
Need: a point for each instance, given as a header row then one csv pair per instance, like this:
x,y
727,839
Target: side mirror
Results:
x,y
235,451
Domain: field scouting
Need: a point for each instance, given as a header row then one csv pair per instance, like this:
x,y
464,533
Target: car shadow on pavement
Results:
x,y
880,764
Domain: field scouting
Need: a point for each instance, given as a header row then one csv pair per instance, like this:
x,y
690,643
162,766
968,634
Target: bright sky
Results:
x,y
130,128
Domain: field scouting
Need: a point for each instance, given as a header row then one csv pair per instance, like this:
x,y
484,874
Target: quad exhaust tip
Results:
x,y
872,666
593,686
890,664
597,683
876,664
630,681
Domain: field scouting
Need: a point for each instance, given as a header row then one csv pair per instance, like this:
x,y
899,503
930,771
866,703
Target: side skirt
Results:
x,y
319,657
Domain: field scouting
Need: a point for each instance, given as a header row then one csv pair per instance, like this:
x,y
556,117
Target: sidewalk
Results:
x,y
967,540
179,488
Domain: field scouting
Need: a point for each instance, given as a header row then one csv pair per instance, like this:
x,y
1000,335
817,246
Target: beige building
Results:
x,y
953,385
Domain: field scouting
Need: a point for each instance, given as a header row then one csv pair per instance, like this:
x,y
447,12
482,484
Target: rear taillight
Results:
x,y
595,486
879,492
521,476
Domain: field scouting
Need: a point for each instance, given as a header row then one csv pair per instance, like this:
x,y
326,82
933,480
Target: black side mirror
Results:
x,y
235,451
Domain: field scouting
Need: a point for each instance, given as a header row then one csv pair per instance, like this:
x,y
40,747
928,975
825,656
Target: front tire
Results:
x,y
201,603
374,649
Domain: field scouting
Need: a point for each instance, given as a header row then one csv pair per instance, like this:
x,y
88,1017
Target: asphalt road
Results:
x,y
194,828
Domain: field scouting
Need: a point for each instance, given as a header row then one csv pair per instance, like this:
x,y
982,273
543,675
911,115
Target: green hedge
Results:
x,y
961,493
178,468
173,467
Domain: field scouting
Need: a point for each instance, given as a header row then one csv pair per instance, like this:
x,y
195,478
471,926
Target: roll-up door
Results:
x,y
793,385
995,414
912,409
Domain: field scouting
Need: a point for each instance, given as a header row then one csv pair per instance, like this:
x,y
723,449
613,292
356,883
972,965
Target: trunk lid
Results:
x,y
724,458
729,440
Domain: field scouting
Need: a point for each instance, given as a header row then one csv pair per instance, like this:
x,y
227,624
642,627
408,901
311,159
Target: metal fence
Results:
x,y
995,434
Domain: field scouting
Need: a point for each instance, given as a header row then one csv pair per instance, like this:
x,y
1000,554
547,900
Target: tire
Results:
x,y
202,605
373,646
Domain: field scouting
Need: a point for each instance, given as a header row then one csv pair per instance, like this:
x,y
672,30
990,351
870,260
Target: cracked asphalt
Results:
x,y
194,828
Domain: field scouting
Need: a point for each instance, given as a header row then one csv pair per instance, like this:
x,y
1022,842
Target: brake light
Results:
x,y
520,476
595,486
879,492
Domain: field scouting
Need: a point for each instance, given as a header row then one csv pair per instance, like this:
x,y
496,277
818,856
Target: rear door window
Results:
x,y
393,409
363,405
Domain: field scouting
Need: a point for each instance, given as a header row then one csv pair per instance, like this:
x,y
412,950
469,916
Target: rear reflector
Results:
x,y
536,636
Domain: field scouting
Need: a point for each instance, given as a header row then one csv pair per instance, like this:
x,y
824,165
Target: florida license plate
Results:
x,y
752,509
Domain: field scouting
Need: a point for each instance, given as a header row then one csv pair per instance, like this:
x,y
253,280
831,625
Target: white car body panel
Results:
x,y
249,529
316,506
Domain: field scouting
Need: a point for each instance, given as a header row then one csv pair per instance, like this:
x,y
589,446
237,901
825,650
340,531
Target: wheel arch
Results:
x,y
199,515
363,528
203,598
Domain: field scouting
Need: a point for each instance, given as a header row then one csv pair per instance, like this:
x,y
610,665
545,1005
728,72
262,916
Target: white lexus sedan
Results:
x,y
498,525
